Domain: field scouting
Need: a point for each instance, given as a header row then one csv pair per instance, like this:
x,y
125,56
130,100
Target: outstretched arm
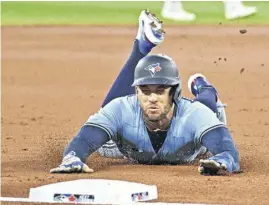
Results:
x,y
98,129
86,142
226,157
210,132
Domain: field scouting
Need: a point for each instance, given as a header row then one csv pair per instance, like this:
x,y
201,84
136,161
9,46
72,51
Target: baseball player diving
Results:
x,y
144,117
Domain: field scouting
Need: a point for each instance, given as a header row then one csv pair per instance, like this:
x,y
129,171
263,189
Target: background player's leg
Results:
x,y
206,94
149,35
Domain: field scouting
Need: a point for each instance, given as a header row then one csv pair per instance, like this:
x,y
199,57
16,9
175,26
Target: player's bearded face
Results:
x,y
155,101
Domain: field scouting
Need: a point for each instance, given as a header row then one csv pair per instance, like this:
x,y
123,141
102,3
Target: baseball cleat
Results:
x,y
197,83
150,28
240,12
211,167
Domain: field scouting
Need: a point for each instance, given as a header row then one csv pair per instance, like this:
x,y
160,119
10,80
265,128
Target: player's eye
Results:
x,y
146,91
160,91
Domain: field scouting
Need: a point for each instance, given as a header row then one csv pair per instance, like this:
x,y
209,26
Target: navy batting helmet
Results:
x,y
158,70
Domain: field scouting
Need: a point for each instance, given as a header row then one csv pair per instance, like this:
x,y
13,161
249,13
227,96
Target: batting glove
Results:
x,y
71,164
211,167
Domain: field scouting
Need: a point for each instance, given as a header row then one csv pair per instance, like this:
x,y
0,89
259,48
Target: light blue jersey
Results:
x,y
122,119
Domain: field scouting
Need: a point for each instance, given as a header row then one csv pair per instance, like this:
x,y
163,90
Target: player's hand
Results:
x,y
211,167
71,164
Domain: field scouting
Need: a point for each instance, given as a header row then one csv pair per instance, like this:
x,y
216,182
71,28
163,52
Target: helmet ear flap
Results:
x,y
173,90
177,93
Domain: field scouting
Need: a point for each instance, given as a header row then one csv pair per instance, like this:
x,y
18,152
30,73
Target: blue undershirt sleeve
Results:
x,y
87,141
220,143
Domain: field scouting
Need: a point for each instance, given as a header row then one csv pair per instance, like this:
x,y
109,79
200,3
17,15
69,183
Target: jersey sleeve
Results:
x,y
202,120
108,118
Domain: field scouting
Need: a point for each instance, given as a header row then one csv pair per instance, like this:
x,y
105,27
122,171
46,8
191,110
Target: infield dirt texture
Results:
x,y
54,77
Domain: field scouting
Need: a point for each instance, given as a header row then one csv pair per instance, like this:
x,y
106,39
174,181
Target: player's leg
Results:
x,y
206,93
174,10
149,35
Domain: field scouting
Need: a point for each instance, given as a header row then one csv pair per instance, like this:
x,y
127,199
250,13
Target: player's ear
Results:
x,y
136,89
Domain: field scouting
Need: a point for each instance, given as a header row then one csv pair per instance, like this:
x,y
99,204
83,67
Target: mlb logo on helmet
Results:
x,y
154,68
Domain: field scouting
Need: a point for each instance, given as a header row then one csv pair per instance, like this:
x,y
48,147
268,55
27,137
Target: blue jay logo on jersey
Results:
x,y
154,68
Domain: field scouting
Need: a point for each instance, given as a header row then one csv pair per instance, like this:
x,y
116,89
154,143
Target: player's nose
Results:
x,y
152,97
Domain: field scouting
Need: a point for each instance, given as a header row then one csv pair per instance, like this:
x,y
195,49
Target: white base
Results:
x,y
90,191
111,192
138,203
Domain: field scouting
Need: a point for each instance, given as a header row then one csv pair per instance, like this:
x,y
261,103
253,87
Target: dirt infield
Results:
x,y
53,78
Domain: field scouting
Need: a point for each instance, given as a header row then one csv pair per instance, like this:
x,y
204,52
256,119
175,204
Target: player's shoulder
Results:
x,y
187,106
184,102
187,100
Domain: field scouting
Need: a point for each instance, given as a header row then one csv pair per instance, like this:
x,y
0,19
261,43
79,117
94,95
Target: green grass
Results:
x,y
103,13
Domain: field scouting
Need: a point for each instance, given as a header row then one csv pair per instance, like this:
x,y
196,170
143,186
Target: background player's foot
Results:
x,y
178,16
240,12
150,32
197,83
175,11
